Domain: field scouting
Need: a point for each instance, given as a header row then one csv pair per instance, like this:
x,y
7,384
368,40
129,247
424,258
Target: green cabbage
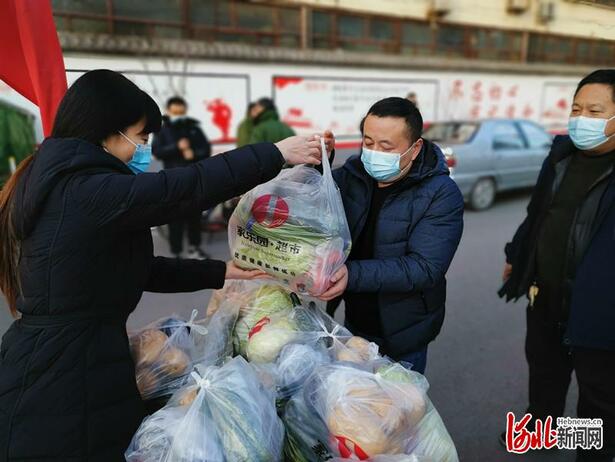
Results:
x,y
266,300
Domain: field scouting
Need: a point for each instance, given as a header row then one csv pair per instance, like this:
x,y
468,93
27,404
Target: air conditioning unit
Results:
x,y
518,6
546,11
440,7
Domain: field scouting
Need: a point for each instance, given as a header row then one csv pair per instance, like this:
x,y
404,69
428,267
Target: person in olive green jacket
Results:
x,y
244,131
267,125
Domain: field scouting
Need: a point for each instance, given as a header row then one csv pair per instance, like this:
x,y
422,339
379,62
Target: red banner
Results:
x,y
30,55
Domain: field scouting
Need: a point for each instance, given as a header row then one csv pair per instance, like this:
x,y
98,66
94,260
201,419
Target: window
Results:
x,y
290,20
350,27
450,40
451,132
80,6
506,136
290,26
495,44
536,137
552,49
381,30
255,17
416,38
322,29
351,31
77,24
81,15
155,10
604,52
210,12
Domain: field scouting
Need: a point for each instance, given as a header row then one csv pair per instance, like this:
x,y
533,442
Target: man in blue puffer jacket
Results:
x,y
405,216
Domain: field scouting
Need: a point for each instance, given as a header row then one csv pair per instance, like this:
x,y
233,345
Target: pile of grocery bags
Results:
x,y
266,377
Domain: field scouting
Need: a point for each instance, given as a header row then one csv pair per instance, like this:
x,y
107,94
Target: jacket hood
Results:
x,y
267,114
55,159
429,163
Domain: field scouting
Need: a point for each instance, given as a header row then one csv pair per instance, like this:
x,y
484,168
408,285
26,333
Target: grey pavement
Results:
x,y
476,366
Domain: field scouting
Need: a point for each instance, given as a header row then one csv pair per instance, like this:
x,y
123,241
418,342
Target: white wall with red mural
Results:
x,y
312,98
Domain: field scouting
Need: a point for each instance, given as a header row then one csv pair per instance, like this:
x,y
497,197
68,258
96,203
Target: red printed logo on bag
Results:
x,y
258,327
349,449
270,211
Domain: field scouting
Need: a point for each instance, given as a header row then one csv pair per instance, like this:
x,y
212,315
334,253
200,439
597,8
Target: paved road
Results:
x,y
476,366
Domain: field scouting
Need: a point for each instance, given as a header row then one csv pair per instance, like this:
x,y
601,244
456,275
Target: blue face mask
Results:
x,y
588,132
383,166
142,157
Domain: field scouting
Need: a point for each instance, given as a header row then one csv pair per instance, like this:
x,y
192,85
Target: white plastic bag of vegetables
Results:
x,y
224,415
346,412
293,227
165,351
298,325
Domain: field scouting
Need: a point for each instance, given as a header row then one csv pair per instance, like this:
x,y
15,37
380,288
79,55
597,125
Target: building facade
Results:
x,y
326,61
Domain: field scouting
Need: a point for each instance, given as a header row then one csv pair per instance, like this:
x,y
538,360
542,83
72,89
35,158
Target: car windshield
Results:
x,y
451,132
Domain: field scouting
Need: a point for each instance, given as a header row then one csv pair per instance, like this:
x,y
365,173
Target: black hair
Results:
x,y
176,100
398,107
603,76
101,103
266,103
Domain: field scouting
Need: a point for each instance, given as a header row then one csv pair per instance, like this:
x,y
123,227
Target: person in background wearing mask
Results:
x,y
76,255
562,258
179,143
267,124
405,216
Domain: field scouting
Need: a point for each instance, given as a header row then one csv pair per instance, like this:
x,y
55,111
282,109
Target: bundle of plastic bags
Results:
x,y
294,228
166,351
224,414
348,412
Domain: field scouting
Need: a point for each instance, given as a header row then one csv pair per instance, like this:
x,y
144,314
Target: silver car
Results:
x,y
489,156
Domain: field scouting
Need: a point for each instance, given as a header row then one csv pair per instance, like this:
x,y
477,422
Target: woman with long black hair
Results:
x,y
76,255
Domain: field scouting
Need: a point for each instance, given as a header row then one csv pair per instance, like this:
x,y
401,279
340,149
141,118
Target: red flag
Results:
x,y
30,55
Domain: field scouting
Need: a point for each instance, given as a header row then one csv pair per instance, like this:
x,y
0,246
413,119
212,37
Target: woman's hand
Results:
x,y
339,281
234,272
329,141
298,150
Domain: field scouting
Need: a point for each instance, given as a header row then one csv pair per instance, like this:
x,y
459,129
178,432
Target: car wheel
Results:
x,y
483,194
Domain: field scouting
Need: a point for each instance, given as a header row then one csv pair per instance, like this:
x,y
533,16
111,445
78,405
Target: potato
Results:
x,y
147,346
147,381
415,403
356,350
173,362
188,397
364,431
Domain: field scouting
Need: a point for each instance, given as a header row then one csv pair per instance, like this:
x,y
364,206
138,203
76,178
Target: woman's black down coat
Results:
x,y
67,385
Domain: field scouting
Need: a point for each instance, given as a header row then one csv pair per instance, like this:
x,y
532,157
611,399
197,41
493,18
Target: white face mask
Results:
x,y
588,132
383,166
